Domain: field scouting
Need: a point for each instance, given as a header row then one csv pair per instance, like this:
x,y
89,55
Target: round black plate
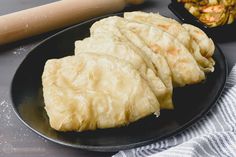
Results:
x,y
191,102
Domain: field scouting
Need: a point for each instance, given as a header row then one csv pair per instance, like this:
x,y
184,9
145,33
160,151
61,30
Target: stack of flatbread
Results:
x,y
124,71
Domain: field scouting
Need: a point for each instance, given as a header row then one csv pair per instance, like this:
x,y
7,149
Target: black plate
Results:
x,y
191,102
219,33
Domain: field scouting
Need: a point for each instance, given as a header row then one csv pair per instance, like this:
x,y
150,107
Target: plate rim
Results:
x,y
123,146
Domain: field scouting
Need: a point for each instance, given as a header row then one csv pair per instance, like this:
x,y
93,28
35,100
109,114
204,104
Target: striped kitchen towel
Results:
x,y
214,135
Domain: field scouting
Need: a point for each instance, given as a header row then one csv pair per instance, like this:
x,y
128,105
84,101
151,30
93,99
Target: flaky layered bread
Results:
x,y
166,24
108,28
206,45
115,26
92,91
160,63
124,71
122,50
182,64
184,68
184,33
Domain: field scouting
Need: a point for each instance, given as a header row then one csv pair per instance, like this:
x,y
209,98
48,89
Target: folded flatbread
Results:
x,y
124,71
183,66
92,91
124,47
183,33
166,24
206,45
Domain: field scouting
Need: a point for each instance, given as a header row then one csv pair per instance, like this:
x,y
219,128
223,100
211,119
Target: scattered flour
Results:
x,y
15,138
5,114
19,51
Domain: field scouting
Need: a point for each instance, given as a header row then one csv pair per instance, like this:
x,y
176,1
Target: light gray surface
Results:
x,y
16,140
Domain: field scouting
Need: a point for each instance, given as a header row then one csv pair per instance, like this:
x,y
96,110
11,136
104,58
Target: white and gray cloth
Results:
x,y
214,135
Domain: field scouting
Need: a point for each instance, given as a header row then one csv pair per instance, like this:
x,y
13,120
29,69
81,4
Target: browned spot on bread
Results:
x,y
156,48
165,27
172,50
198,32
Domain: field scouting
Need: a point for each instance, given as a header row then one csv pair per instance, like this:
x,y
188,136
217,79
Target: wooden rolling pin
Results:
x,y
34,21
